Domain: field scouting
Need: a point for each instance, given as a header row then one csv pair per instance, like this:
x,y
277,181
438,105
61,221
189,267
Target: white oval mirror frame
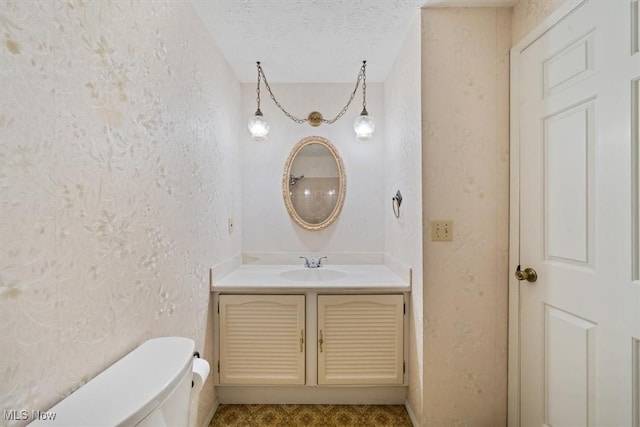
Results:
x,y
288,178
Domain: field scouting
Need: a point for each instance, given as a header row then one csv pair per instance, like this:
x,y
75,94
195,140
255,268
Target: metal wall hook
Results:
x,y
396,201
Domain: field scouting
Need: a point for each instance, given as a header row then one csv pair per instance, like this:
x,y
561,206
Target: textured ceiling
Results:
x,y
314,41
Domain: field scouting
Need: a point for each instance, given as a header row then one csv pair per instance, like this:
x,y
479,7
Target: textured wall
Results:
x,y
267,226
403,171
118,170
527,14
465,106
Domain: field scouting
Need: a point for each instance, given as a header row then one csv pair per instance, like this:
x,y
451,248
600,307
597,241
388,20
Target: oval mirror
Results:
x,y
314,183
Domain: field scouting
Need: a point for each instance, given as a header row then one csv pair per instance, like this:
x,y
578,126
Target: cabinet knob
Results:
x,y
320,341
301,340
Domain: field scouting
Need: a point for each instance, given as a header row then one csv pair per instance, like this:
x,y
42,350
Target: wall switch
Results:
x,y
230,225
442,231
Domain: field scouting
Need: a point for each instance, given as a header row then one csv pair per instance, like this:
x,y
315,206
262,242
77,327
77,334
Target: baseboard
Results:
x,y
412,416
214,408
306,395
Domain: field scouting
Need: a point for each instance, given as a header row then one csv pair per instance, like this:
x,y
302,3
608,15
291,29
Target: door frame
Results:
x,y
513,374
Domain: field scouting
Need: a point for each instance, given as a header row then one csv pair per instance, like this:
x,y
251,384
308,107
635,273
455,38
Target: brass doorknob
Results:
x,y
528,274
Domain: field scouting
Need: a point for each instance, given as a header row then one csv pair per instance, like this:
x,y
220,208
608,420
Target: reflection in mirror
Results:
x,y
313,183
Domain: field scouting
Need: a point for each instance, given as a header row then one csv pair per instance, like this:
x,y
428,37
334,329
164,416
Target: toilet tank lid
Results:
x,y
128,390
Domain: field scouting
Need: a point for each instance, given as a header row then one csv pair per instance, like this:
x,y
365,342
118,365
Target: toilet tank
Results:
x,y
151,386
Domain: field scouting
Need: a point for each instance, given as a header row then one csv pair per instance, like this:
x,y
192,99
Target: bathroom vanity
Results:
x,y
289,334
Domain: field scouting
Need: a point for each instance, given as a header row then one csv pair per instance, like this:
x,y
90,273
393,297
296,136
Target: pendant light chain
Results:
x,y
361,76
258,89
266,83
364,88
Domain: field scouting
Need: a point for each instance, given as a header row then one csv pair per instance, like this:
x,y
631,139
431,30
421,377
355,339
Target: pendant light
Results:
x,y
258,125
364,124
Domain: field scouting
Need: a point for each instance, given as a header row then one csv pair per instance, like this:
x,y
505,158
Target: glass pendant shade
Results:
x,y
364,126
259,127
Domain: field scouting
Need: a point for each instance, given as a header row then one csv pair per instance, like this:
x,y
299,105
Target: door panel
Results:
x,y
569,368
360,339
262,339
568,145
636,382
635,160
635,27
576,61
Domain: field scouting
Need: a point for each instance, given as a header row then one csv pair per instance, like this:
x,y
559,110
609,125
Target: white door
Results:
x,y
579,322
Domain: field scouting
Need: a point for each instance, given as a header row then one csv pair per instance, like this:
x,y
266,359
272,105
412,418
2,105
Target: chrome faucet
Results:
x,y
313,262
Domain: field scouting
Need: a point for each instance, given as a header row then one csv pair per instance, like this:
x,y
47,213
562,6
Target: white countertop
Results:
x,y
256,278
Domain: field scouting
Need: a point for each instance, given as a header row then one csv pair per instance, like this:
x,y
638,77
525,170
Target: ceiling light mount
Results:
x,y
363,125
314,118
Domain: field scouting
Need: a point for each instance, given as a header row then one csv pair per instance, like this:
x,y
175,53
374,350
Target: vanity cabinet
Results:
x,y
262,339
353,339
360,339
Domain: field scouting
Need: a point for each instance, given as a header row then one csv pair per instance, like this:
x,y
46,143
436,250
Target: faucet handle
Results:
x,y
306,261
320,260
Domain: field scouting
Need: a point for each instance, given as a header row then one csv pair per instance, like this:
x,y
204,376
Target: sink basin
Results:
x,y
312,275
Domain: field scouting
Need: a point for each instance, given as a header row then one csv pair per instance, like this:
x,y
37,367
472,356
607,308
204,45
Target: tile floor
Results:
x,y
311,415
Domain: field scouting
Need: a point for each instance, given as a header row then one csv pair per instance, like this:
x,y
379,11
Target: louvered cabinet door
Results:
x,y
360,339
262,339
